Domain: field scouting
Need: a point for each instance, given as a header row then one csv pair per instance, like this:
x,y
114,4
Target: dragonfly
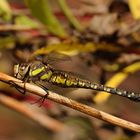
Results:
x,y
37,70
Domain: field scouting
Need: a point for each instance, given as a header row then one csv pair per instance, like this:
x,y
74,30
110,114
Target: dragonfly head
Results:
x,y
20,70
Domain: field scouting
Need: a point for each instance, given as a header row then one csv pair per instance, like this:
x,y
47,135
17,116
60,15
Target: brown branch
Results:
x,y
18,27
42,119
75,105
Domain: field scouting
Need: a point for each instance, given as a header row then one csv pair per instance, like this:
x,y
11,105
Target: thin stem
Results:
x,y
69,15
18,27
75,105
39,118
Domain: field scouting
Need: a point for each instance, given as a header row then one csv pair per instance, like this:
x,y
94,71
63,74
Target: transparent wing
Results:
x,y
52,58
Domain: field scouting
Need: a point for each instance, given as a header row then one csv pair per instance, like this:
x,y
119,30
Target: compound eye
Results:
x,y
23,67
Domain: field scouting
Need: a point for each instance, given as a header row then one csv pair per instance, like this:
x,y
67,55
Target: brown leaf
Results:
x,y
104,24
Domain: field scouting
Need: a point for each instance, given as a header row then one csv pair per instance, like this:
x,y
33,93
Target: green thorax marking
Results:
x,y
37,71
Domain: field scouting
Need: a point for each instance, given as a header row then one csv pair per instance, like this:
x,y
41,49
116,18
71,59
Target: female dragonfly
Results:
x,y
39,71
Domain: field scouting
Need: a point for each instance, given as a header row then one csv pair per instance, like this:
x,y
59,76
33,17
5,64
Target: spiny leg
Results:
x,y
42,99
17,87
21,90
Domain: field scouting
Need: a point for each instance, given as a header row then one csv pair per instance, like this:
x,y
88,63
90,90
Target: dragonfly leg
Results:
x,y
42,99
18,88
21,90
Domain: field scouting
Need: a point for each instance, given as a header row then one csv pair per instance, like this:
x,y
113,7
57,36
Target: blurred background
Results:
x,y
97,39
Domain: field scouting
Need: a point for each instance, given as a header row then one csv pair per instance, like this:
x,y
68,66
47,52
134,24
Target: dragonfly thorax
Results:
x,y
32,70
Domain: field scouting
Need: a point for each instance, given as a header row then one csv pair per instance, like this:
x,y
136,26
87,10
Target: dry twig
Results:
x,y
18,27
42,119
73,104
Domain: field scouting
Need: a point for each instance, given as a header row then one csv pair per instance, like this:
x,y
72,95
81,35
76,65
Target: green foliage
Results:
x,y
25,21
7,42
69,49
75,48
69,15
5,10
42,11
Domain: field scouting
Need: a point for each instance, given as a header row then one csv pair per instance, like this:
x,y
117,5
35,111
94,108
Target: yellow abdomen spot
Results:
x,y
71,82
46,76
68,83
60,79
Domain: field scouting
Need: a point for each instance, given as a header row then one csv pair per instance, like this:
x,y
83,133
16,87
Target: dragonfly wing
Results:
x,y
53,58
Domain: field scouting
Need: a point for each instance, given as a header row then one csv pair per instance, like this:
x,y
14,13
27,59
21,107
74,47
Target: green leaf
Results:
x,y
74,48
7,42
42,11
25,21
5,10
69,49
69,15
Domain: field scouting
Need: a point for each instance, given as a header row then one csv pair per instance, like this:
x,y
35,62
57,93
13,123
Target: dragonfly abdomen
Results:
x,y
67,80
63,79
128,94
